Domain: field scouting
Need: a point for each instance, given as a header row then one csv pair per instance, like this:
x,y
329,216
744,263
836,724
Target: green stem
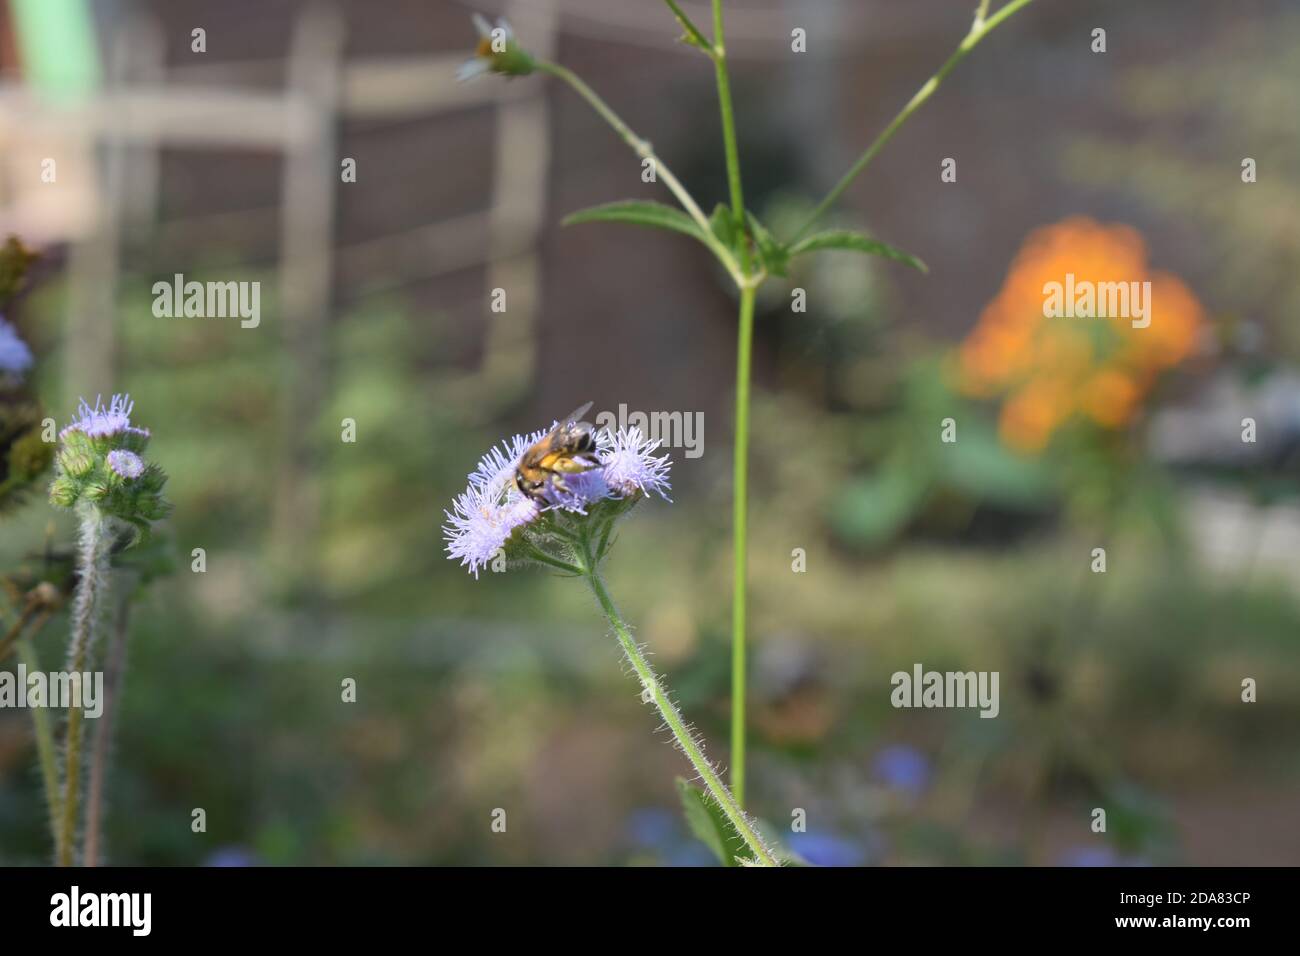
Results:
x,y
45,751
14,633
979,30
94,570
739,523
693,749
693,33
729,131
643,149
541,557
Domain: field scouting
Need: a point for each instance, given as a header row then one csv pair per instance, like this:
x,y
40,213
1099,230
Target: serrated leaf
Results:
x,y
638,212
849,241
707,821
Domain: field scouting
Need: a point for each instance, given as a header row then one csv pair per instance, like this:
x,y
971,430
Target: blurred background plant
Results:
x,y
1119,689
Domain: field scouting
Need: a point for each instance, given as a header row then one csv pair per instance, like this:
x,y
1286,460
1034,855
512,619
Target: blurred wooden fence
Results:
x,y
107,145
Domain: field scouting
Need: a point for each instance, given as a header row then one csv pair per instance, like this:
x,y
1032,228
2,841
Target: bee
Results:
x,y
567,449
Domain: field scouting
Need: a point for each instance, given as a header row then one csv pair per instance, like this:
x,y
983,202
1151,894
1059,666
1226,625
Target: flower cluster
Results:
x,y
497,52
1053,370
100,464
492,517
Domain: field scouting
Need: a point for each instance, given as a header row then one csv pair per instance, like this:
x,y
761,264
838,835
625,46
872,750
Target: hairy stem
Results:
x,y
100,753
643,149
693,749
93,566
979,30
44,730
541,557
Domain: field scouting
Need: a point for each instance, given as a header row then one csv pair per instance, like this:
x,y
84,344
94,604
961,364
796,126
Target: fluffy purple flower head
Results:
x,y
104,422
485,517
15,356
125,464
630,468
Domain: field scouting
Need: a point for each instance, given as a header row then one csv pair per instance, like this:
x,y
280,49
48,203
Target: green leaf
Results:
x,y
709,824
871,511
775,256
724,226
844,239
638,213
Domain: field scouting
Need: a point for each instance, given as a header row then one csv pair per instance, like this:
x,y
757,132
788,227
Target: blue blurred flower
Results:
x,y
823,848
1088,856
15,356
652,827
690,853
903,768
233,856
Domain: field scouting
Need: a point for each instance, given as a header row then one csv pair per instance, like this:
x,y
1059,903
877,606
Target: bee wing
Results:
x,y
574,416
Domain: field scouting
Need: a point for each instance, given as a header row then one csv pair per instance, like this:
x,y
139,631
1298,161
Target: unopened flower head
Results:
x,y
497,52
101,465
15,356
492,517
125,464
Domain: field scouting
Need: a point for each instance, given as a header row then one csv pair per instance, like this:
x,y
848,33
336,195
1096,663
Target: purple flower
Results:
x,y
101,422
630,468
652,827
231,856
492,509
127,464
15,356
903,768
480,523
823,848
1094,856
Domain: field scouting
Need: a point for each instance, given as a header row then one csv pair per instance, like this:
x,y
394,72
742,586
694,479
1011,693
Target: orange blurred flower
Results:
x,y
1051,369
